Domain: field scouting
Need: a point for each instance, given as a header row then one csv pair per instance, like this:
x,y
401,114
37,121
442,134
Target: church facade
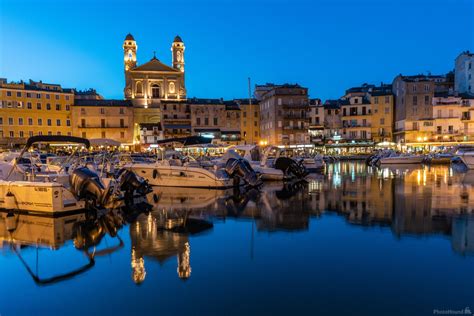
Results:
x,y
155,89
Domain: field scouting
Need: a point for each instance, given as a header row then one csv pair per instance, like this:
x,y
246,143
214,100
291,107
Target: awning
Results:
x,y
230,132
177,126
104,142
207,130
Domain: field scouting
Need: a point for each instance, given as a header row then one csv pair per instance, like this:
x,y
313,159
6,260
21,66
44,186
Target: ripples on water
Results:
x,y
356,239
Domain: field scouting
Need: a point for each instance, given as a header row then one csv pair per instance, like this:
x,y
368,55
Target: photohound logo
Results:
x,y
465,311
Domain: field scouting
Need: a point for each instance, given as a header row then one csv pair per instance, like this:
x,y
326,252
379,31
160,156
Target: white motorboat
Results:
x,y
184,171
466,154
265,163
396,159
36,188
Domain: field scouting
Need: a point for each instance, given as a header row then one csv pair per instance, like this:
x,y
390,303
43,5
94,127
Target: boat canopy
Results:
x,y
191,140
56,139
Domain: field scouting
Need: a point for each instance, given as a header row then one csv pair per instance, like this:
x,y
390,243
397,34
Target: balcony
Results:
x,y
466,116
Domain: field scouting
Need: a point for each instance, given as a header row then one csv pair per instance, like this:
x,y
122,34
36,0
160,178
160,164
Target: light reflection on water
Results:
x,y
275,232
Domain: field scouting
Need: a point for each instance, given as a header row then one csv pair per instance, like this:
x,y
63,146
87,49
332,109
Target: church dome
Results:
x,y
129,37
177,39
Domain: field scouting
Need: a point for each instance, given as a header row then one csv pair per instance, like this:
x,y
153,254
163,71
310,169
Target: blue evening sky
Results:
x,y
327,46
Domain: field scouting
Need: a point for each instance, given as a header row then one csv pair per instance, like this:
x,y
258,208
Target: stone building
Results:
x,y
216,119
413,103
464,73
284,114
105,119
157,90
249,120
356,119
332,120
33,108
316,122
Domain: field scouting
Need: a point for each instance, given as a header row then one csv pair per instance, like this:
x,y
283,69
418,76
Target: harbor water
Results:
x,y
353,240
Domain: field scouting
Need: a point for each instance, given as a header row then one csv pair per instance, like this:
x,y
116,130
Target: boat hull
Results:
x,y
183,177
468,160
401,160
44,198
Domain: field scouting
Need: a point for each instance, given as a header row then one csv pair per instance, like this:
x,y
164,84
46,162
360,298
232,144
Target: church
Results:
x,y
157,92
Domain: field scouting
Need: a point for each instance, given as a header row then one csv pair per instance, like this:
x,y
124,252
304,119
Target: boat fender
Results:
x,y
155,173
10,202
10,222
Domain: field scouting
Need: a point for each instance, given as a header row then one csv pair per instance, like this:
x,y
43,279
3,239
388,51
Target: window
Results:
x,y
387,99
68,122
427,87
387,110
215,121
414,88
38,95
451,113
415,126
40,133
155,91
58,133
198,121
58,107
18,94
245,114
30,134
122,123
376,100
102,123
40,122
48,106
67,97
122,111
139,88
10,121
20,121
382,121
427,99
415,100
206,121
58,122
122,135
279,101
103,134
49,122
56,96
9,93
28,105
68,107
22,134
48,96
1,120
12,134
440,113
30,121
102,111
38,106
50,133
83,122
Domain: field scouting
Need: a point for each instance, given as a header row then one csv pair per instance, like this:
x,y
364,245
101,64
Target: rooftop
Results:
x,y
88,102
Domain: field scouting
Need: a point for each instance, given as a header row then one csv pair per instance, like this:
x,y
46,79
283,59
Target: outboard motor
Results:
x,y
130,183
238,167
86,184
289,166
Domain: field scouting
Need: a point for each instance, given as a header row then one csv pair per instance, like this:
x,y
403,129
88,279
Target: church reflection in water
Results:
x,y
408,201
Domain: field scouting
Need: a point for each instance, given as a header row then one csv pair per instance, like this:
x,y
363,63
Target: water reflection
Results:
x,y
409,201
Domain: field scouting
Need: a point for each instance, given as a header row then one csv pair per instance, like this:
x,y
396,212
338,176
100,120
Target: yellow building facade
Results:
x,y
382,116
104,119
33,108
249,121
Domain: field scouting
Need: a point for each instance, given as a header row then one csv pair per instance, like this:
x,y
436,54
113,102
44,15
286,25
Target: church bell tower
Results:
x,y
129,52
177,53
